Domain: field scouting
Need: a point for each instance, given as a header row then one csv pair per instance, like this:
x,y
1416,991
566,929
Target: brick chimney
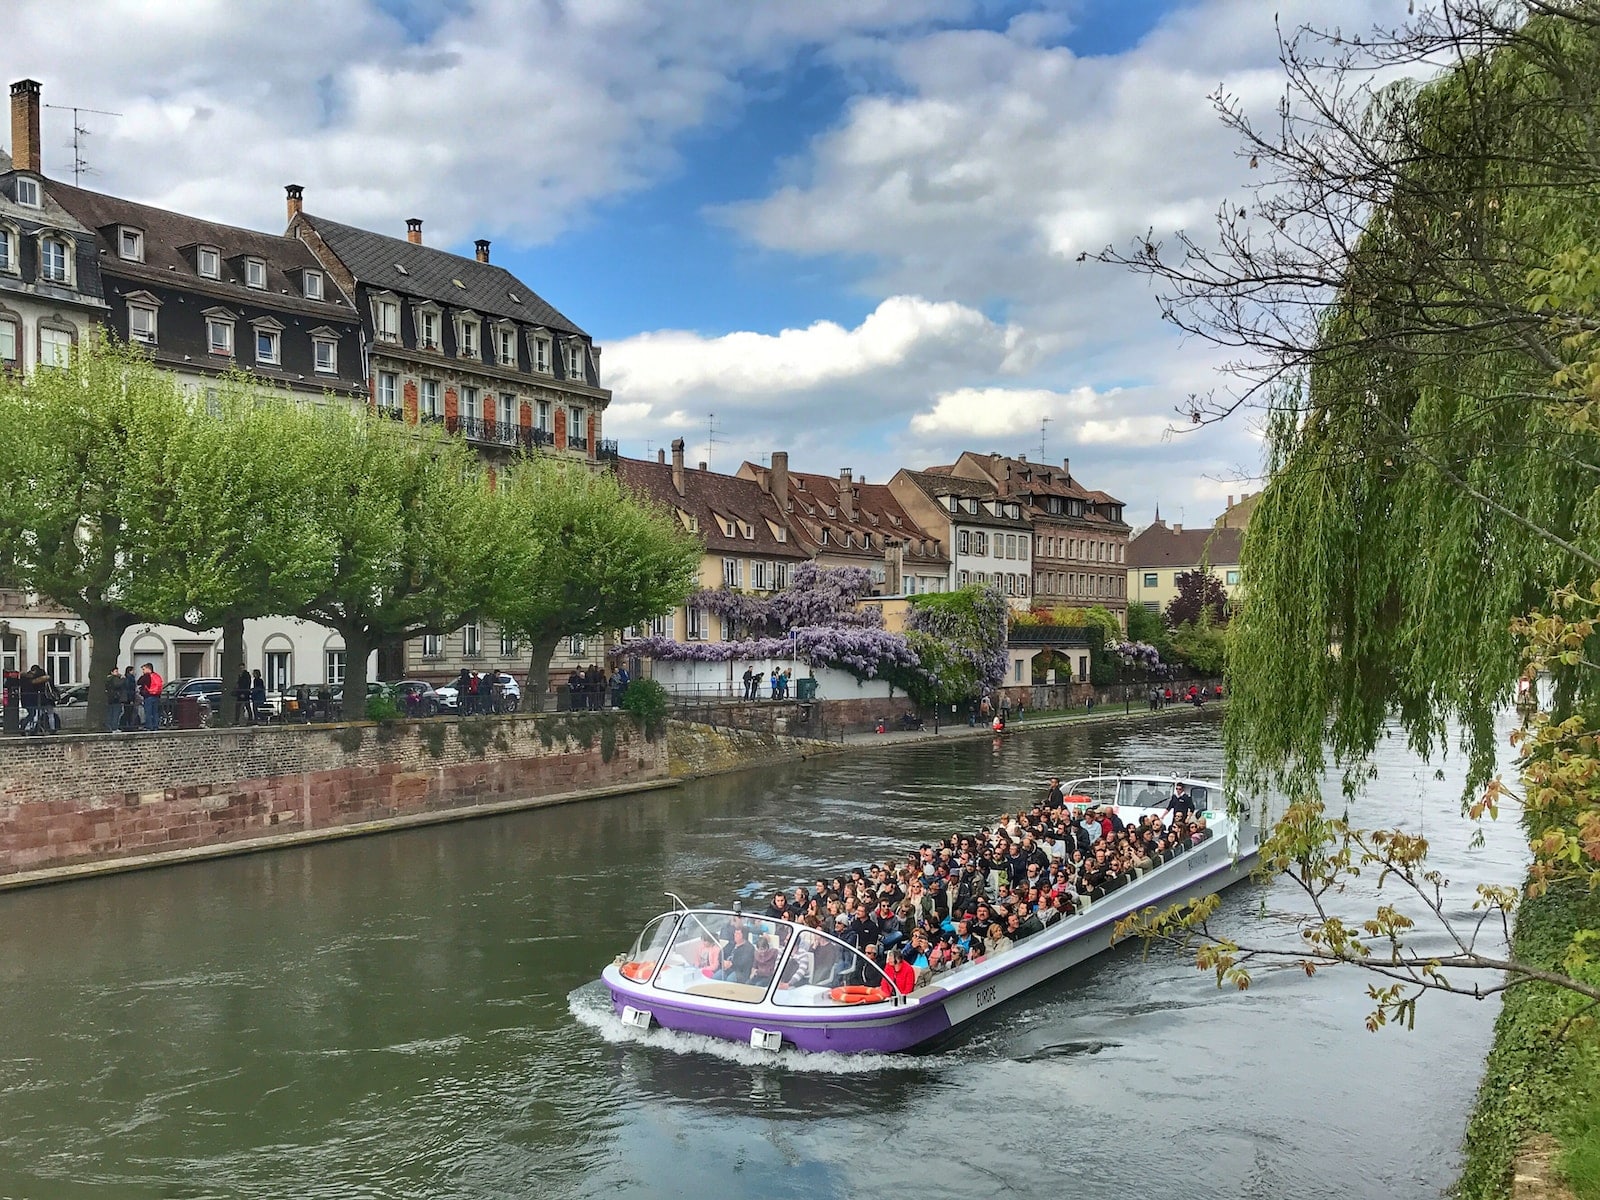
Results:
x,y
894,554
661,457
25,126
483,249
1066,466
847,495
779,486
677,464
293,197
414,230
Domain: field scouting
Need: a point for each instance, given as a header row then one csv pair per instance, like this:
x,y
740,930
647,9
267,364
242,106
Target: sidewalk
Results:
x,y
1046,719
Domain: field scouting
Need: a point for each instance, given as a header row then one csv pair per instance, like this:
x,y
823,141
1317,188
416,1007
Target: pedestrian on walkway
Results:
x,y
258,697
114,701
150,685
130,699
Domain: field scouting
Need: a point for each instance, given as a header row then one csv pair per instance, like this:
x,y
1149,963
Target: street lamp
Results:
x,y
938,700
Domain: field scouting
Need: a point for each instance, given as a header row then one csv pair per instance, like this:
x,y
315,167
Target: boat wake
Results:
x,y
590,1006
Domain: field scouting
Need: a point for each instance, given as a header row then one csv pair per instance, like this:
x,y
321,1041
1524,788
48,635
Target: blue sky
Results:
x,y
850,228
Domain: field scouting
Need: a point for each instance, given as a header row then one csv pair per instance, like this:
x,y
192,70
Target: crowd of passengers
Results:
x,y
970,896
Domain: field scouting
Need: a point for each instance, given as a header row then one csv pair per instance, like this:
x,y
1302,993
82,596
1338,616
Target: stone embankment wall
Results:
x,y
697,749
108,797
816,720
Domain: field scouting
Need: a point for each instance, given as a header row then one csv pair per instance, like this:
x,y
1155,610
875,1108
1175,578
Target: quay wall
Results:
x,y
72,801
696,749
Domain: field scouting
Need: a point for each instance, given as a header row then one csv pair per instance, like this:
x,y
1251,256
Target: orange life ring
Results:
x,y
1077,800
855,995
639,971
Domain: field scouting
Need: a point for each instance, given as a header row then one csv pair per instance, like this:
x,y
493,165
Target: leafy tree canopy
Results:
x,y
1200,599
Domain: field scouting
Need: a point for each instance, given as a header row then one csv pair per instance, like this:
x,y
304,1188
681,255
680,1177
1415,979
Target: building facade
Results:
x,y
1080,540
989,537
840,521
1162,552
748,543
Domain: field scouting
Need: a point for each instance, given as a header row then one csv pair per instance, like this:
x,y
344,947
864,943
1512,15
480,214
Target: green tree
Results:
x,y
417,543
1408,293
583,557
81,501
239,539
1146,626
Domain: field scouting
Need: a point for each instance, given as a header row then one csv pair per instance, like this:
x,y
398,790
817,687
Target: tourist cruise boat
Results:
x,y
658,982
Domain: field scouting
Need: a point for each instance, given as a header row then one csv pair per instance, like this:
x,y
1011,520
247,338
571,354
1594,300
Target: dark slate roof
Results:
x,y
431,273
935,484
86,289
1164,546
708,495
170,239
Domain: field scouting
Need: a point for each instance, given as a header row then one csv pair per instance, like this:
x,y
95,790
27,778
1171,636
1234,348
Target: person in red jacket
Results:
x,y
899,976
150,685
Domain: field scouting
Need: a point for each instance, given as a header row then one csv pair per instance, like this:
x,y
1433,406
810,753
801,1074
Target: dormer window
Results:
x,y
28,192
55,260
541,354
311,285
467,344
269,342
325,350
208,261
428,328
130,244
142,308
575,361
506,345
8,251
386,320
255,273
219,331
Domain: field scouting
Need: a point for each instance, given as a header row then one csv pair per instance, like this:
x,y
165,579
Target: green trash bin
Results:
x,y
805,689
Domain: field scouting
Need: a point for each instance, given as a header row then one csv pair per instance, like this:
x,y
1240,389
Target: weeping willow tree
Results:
x,y
1413,298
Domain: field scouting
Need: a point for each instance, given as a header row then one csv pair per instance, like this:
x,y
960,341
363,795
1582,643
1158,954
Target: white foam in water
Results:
x,y
591,1006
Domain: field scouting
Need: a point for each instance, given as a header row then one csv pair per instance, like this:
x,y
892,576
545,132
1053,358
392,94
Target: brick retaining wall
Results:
x,y
96,798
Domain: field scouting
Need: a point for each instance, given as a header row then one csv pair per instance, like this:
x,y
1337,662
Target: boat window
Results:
x,y
723,956
1145,793
650,948
823,973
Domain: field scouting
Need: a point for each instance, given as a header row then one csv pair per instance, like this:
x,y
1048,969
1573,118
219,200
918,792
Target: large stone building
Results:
x,y
465,344
1080,539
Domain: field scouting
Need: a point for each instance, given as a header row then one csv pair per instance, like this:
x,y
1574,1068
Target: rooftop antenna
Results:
x,y
711,436
80,166
1044,428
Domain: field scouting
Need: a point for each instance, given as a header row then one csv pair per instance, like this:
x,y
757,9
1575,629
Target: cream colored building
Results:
x,y
1162,552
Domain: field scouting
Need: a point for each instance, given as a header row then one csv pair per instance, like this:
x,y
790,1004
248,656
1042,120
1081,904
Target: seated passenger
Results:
x,y
996,942
708,956
899,976
800,970
766,959
739,961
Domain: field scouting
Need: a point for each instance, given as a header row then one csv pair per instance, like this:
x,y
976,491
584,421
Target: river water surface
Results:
x,y
414,1015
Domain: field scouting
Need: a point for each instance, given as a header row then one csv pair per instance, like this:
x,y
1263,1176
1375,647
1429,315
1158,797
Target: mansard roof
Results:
x,y
414,269
171,239
1163,545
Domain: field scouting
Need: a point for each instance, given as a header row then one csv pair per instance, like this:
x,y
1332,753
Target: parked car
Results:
x,y
510,693
416,697
207,690
75,696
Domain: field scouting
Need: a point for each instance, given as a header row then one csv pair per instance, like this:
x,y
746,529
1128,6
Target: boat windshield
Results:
x,y
744,958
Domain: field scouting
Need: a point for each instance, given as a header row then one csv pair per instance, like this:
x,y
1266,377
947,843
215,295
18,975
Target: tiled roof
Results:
x,y
1019,477
878,514
433,274
707,496
1163,546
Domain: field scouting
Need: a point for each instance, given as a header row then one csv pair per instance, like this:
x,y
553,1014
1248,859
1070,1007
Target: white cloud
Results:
x,y
902,331
509,119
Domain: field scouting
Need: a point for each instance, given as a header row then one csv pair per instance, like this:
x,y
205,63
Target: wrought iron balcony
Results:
x,y
394,414
607,448
577,441
472,429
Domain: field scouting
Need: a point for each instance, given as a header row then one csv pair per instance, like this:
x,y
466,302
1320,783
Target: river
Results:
x,y
414,1015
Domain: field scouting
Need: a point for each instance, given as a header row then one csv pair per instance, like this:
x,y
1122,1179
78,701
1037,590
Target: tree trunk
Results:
x,y
106,627
357,646
232,663
537,686
391,658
